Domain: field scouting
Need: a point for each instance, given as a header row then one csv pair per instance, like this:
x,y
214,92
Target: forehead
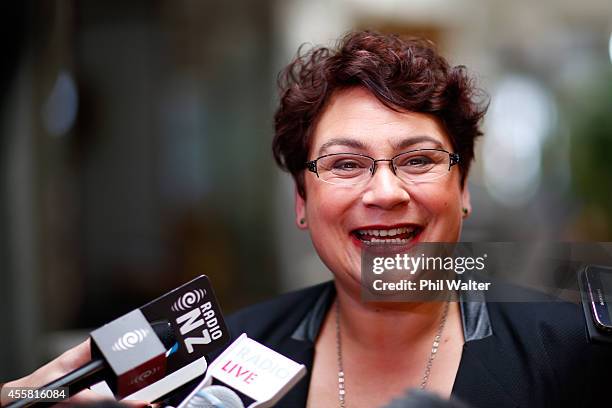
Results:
x,y
355,120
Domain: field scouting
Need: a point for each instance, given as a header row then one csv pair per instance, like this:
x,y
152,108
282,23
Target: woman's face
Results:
x,y
337,216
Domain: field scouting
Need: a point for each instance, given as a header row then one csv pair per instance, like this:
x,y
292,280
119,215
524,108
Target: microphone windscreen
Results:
x,y
215,396
424,399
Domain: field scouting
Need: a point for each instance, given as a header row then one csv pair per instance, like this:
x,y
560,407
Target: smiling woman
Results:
x,y
378,135
381,100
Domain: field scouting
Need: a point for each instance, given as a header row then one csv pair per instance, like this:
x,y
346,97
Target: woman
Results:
x,y
352,125
377,96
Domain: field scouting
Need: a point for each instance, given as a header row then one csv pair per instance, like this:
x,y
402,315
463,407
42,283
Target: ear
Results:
x,y
300,211
466,202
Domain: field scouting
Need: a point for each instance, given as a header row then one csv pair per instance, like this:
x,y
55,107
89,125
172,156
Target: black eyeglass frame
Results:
x,y
454,159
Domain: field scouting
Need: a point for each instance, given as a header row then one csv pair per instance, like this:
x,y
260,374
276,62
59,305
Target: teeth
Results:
x,y
390,241
386,232
389,235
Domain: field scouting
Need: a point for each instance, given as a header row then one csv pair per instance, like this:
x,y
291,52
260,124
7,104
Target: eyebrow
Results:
x,y
356,144
411,141
341,141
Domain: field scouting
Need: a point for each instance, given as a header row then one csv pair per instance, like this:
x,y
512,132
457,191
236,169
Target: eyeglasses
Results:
x,y
413,166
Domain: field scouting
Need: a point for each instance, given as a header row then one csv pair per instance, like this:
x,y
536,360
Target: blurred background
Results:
x,y
135,145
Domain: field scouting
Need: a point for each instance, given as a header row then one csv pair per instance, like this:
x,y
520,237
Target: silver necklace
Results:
x,y
426,374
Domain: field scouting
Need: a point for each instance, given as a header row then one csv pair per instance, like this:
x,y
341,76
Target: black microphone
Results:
x,y
98,369
151,351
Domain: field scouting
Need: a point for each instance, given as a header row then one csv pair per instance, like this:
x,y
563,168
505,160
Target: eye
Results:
x,y
415,161
347,165
418,161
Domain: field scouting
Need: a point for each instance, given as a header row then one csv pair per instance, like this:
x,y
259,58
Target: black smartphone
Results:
x,y
599,286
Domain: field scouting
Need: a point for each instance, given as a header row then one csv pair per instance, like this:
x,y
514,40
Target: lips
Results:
x,y
392,235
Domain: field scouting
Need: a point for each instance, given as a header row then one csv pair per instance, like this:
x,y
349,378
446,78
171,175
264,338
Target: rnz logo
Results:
x,y
129,340
202,315
187,301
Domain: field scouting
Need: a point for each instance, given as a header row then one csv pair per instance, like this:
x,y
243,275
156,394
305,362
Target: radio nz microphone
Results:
x,y
152,350
251,368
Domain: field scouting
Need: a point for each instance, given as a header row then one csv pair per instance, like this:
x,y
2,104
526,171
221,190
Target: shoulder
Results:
x,y
276,318
541,330
565,316
535,317
540,346
548,343
542,314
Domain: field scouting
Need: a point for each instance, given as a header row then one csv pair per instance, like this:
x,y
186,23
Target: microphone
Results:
x,y
145,356
187,324
422,399
256,371
215,396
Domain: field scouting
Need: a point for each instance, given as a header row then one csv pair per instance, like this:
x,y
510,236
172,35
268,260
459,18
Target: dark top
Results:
x,y
514,355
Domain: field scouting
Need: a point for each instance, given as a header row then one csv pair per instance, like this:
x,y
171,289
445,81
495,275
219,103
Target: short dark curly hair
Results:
x,y
403,74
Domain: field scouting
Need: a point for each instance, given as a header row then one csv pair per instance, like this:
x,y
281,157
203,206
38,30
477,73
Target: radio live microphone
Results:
x,y
152,350
258,372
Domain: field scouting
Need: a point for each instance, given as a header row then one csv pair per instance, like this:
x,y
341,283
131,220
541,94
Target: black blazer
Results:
x,y
537,356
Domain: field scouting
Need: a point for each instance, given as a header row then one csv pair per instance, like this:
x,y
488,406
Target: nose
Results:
x,y
385,190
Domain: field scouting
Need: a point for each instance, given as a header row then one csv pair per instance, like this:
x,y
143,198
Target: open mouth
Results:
x,y
398,235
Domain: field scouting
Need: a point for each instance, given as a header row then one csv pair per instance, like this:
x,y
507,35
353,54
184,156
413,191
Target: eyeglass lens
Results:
x,y
414,166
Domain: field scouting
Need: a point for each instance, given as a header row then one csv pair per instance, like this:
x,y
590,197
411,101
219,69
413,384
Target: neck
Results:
x,y
375,325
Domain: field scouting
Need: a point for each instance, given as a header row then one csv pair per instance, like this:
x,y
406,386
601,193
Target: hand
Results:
x,y
70,360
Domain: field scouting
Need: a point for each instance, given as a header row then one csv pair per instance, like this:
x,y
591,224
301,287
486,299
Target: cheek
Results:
x,y
327,205
440,204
